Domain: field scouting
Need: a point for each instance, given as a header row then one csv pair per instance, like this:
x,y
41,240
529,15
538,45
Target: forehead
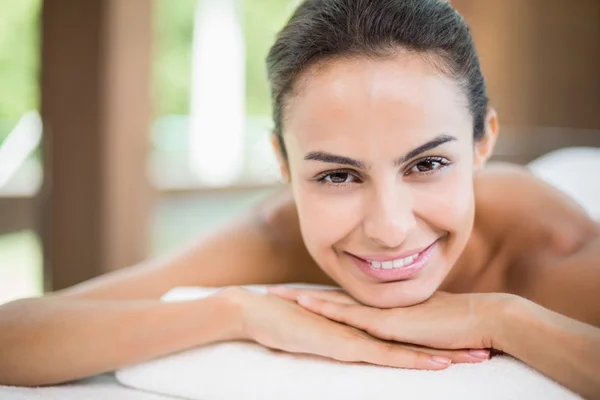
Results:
x,y
404,94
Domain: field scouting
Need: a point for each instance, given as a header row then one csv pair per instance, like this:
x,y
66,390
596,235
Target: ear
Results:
x,y
283,164
484,147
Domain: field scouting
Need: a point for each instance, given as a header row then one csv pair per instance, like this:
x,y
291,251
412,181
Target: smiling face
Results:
x,y
381,160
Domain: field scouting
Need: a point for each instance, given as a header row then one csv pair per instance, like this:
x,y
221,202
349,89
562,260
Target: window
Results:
x,y
213,107
20,167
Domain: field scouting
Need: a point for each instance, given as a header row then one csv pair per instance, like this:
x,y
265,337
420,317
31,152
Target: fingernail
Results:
x,y
481,354
441,360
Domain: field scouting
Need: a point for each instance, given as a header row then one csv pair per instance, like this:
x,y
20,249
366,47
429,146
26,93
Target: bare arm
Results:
x,y
565,350
553,322
564,343
117,319
569,285
561,348
52,340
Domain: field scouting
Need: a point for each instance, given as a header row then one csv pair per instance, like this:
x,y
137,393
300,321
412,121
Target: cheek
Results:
x,y
326,217
448,205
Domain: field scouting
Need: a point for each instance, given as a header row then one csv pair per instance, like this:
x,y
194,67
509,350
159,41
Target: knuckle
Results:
x,y
375,329
388,354
403,357
421,361
234,294
328,308
390,350
379,329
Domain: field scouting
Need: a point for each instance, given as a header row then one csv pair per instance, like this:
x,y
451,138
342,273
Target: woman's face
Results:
x,y
381,160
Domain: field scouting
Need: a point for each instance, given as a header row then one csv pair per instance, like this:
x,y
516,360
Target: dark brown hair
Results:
x,y
320,30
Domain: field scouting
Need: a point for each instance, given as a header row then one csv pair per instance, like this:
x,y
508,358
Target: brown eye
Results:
x,y
338,177
429,165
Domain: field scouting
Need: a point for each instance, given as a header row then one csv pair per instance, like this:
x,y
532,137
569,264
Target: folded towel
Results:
x,y
574,170
100,387
236,370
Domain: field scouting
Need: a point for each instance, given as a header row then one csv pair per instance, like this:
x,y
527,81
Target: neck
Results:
x,y
471,272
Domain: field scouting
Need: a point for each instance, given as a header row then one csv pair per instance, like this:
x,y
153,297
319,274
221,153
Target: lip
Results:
x,y
391,257
395,274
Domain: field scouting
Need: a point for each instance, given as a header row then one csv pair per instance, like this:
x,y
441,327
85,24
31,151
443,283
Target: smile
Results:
x,y
396,267
397,263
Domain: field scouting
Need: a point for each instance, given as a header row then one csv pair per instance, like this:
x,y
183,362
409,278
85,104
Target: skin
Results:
x,y
376,112
512,253
359,201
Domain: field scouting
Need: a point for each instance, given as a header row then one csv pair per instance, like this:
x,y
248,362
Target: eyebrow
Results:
x,y
337,159
432,144
334,159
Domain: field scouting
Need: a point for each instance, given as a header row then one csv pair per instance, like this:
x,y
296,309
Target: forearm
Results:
x,y
52,340
561,348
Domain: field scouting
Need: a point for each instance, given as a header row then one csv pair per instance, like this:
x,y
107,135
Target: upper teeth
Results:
x,y
399,263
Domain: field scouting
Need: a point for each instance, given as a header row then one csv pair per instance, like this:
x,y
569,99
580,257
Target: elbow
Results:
x,y
19,339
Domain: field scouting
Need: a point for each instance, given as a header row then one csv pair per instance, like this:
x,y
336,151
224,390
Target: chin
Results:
x,y
349,275
401,293
393,294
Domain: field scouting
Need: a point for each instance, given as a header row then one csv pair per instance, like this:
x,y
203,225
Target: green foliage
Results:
x,y
171,64
19,60
173,27
262,20
19,56
174,21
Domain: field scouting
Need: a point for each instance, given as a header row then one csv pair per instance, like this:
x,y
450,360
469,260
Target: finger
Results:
x,y
284,292
290,293
349,314
457,356
393,355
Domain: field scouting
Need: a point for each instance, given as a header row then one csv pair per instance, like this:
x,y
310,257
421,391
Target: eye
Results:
x,y
338,178
428,165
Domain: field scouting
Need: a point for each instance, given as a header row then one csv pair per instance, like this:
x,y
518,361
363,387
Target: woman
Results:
x,y
382,128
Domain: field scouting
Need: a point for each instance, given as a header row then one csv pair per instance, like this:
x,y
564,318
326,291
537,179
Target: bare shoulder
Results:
x,y
510,199
551,246
278,217
262,246
279,220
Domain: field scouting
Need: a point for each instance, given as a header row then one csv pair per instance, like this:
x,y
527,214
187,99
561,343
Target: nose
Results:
x,y
389,216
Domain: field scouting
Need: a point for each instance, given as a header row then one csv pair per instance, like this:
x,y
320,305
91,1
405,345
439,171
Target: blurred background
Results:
x,y
129,127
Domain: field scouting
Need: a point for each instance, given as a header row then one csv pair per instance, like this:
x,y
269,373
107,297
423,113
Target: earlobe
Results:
x,y
283,165
484,147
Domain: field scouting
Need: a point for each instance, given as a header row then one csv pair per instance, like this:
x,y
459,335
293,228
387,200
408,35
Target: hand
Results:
x,y
445,321
283,325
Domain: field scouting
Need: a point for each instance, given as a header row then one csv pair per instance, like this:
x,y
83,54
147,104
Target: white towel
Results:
x,y
232,371
574,170
246,371
100,387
